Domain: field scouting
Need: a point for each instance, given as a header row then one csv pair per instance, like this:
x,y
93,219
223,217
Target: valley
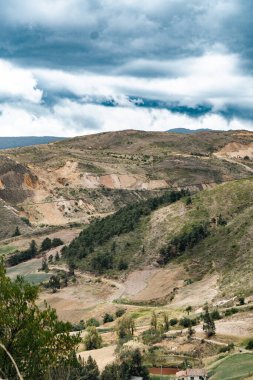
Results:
x,y
149,223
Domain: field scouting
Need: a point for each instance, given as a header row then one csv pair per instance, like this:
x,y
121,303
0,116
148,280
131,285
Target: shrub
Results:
x,y
173,321
108,318
227,348
215,314
46,244
151,336
92,322
231,311
120,312
93,339
249,345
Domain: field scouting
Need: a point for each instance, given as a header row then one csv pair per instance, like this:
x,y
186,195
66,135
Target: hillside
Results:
x,y
77,179
206,235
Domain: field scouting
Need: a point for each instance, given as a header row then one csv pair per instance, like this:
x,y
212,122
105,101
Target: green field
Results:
x,y
235,367
28,270
6,249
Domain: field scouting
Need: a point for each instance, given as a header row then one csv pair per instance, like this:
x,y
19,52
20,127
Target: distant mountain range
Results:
x,y
187,131
15,142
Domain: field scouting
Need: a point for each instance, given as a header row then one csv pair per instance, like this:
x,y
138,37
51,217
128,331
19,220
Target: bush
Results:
x,y
78,326
231,311
249,345
173,321
151,336
122,265
187,322
16,232
92,322
56,242
227,348
93,339
25,220
46,244
120,312
215,315
108,318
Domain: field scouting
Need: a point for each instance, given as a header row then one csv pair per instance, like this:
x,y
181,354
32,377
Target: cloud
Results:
x,y
214,78
69,118
16,82
152,63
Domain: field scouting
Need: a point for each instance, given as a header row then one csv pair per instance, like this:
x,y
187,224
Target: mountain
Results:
x,y
76,179
15,142
189,131
151,225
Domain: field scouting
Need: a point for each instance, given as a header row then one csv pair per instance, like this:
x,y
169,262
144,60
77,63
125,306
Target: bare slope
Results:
x,y
76,179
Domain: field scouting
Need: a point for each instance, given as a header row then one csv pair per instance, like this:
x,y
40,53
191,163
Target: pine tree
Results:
x,y
166,323
208,324
90,370
16,232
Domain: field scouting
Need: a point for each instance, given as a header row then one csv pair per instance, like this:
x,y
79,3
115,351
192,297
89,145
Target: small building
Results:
x,y
192,374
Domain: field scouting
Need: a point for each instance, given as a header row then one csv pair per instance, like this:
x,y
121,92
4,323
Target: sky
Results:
x,y
75,67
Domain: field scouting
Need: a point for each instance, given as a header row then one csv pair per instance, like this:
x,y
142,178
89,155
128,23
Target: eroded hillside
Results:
x,y
78,179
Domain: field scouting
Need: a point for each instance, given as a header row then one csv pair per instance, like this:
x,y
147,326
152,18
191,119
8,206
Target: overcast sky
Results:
x,y
72,67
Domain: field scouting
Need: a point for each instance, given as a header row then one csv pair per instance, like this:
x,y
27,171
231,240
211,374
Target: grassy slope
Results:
x,y
236,367
227,250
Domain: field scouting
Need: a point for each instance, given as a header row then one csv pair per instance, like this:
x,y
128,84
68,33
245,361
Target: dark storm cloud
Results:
x,y
90,64
106,34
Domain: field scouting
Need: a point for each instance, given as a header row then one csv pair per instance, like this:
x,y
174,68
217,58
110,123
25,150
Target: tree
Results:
x,y
132,366
111,372
129,365
125,327
154,322
93,339
90,370
188,309
208,324
46,244
72,267
35,339
166,323
33,248
57,256
54,283
120,312
16,232
108,318
44,265
56,242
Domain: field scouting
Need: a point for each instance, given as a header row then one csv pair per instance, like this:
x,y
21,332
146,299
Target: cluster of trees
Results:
x,y
34,343
19,257
186,240
48,244
30,253
123,221
128,365
125,328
